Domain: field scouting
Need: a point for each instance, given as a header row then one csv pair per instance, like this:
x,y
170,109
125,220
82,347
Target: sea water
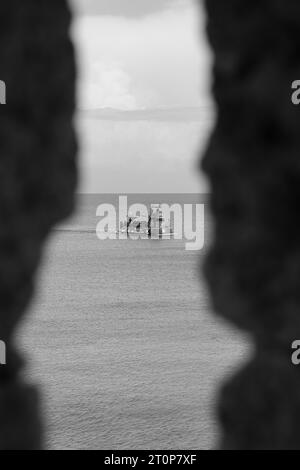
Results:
x,y
123,342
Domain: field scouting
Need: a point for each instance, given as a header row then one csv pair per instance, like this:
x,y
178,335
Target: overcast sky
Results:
x,y
141,55
125,8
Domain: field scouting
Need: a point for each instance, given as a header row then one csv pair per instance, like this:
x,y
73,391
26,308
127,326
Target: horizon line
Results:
x,y
188,113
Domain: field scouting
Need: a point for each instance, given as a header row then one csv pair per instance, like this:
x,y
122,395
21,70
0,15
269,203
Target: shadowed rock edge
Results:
x,y
37,179
252,162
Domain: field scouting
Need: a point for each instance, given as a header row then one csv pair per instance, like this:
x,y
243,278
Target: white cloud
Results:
x,y
159,60
155,61
106,85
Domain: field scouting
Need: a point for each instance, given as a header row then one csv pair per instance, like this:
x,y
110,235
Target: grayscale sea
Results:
x,y
122,340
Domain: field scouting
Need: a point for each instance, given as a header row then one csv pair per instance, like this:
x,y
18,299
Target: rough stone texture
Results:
x,y
253,163
37,178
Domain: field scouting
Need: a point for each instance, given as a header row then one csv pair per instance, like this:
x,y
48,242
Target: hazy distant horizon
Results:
x,y
144,112
186,114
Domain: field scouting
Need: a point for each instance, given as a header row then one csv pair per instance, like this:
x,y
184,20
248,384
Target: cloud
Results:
x,y
106,85
155,61
152,71
126,8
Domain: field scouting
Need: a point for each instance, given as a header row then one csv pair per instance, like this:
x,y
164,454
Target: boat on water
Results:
x,y
154,226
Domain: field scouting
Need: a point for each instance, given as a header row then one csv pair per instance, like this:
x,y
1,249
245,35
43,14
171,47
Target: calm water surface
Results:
x,y
122,340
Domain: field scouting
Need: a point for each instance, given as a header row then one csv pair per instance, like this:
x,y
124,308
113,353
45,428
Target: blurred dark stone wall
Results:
x,y
37,179
253,163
